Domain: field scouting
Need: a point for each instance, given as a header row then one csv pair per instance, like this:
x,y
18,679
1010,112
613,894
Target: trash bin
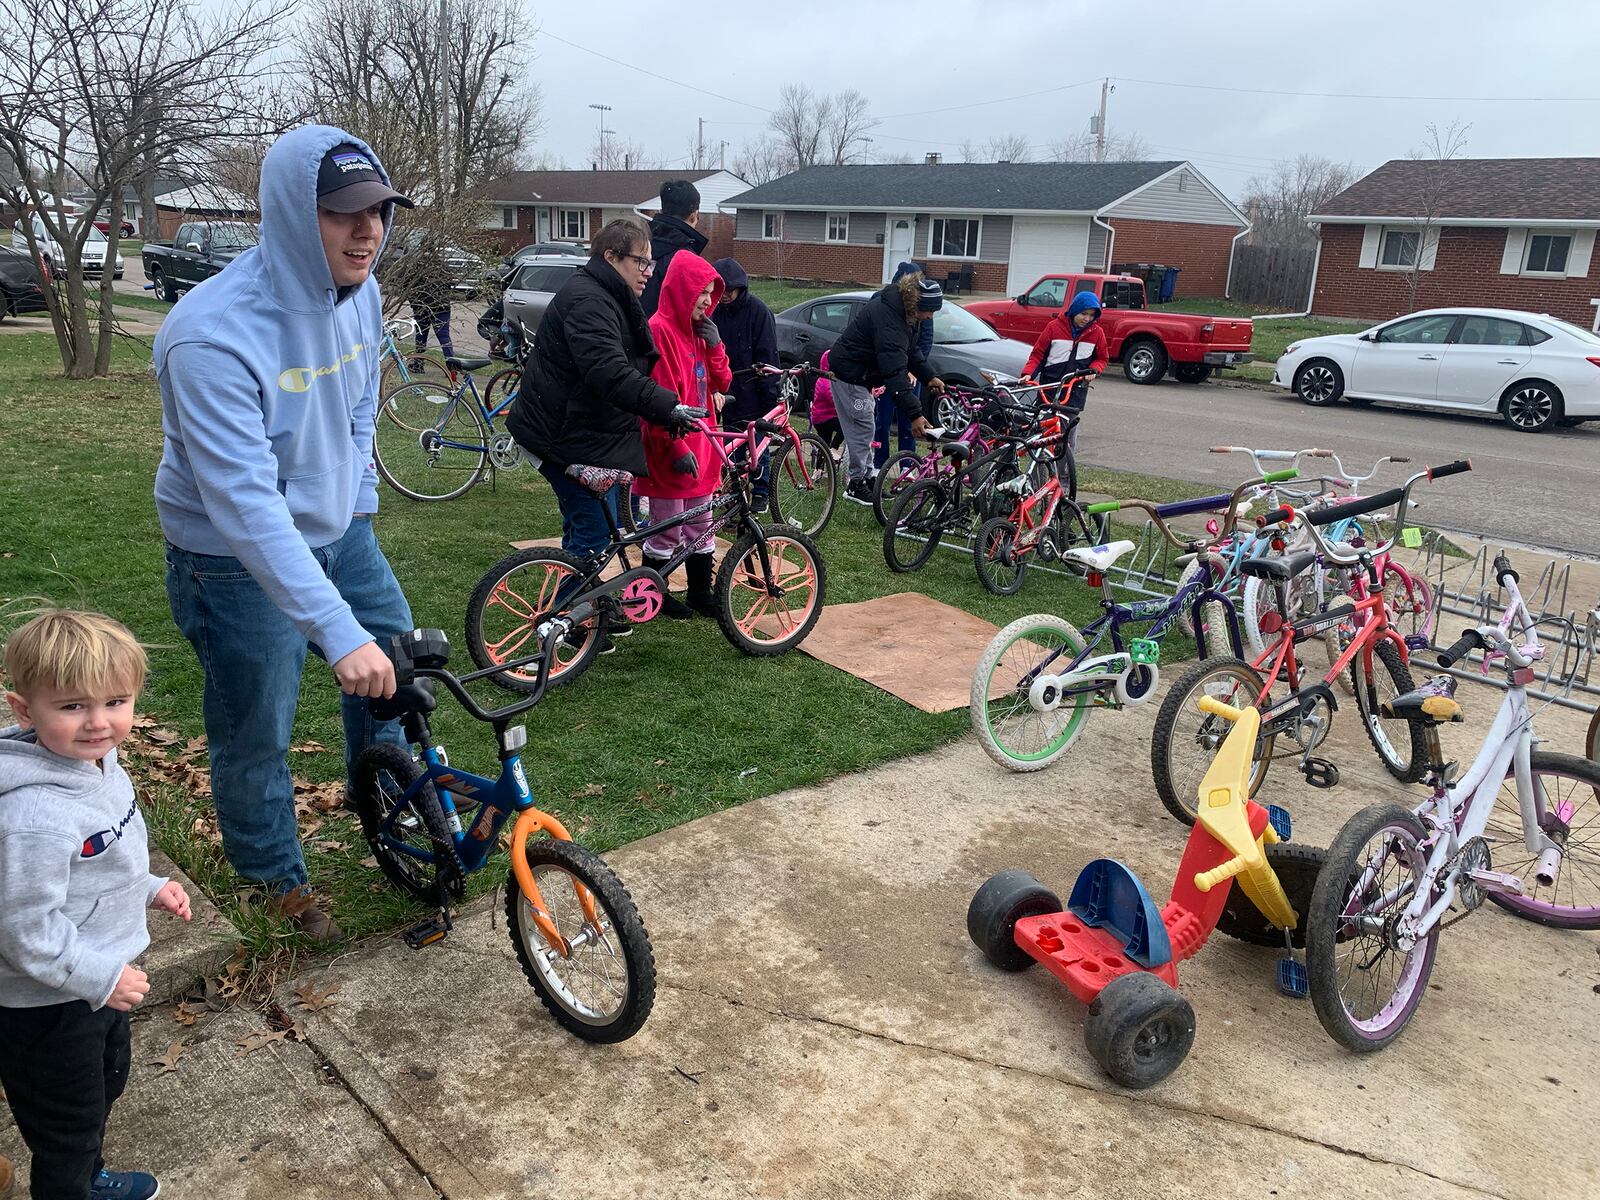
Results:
x,y
1169,283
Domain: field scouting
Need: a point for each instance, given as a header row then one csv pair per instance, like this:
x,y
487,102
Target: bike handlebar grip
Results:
x,y
1284,512
1465,644
1399,458
1355,508
1104,506
768,427
1206,880
1503,568
1319,453
1454,468
1218,708
1222,449
1281,476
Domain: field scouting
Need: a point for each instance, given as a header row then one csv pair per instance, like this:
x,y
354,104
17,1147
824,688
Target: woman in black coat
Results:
x,y
587,382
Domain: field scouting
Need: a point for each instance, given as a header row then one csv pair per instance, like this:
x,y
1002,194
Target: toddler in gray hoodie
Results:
x,y
75,882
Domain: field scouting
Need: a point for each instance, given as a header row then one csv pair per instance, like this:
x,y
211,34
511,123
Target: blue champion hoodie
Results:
x,y
269,385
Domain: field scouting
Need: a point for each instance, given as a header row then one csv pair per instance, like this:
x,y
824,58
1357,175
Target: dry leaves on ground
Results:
x,y
309,998
168,1062
588,789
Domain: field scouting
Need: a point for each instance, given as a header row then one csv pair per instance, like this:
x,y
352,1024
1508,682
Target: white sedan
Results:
x,y
1532,371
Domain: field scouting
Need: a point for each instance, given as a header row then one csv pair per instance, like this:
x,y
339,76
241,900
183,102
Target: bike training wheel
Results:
x,y
1022,725
804,485
915,525
1213,614
604,990
1363,986
1297,867
998,561
896,475
997,906
509,604
383,772
1571,789
1139,1029
1409,599
763,618
1186,739
429,368
429,444
1400,744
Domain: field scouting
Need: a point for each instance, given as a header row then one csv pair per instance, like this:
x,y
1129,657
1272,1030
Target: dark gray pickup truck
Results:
x,y
199,251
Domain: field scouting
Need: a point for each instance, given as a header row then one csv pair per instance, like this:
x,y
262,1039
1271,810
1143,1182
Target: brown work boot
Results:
x,y
303,909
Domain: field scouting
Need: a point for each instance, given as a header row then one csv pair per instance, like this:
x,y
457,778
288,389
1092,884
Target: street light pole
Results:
x,y
602,109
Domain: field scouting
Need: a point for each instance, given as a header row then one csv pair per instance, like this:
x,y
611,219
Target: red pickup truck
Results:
x,y
1146,343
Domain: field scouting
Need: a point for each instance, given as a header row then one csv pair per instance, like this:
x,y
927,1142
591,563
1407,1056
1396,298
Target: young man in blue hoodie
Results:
x,y
266,491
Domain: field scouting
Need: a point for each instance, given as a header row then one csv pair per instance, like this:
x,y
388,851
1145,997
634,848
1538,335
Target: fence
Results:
x,y
1272,276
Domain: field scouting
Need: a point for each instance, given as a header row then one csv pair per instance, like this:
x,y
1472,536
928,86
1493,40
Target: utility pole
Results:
x,y
602,109
1100,122
700,145
722,156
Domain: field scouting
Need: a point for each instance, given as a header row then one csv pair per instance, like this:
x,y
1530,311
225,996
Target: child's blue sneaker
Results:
x,y
123,1185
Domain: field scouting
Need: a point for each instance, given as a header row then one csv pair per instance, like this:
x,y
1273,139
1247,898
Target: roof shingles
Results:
x,y
1533,189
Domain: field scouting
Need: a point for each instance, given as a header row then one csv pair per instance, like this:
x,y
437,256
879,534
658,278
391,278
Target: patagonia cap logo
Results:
x,y
351,160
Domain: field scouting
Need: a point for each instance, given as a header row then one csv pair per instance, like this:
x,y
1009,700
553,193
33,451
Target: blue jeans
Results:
x,y
584,530
252,656
436,319
887,415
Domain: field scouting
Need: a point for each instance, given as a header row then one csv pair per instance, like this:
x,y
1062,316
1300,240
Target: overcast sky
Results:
x,y
1522,74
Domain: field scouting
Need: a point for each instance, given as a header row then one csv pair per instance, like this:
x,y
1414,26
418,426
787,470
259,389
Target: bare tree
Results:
x,y
1279,201
1120,147
845,124
798,123
614,154
1438,159
762,160
1006,147
110,85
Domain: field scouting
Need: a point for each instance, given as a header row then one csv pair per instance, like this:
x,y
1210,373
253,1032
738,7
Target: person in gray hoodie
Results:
x,y
75,882
266,491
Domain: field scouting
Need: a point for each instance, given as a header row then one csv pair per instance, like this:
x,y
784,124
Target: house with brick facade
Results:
x,y
572,206
1488,232
1003,224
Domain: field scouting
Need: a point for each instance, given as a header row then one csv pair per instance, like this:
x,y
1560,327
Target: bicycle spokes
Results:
x,y
773,610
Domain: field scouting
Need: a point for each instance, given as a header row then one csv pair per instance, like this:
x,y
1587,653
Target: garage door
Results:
x,y
1045,246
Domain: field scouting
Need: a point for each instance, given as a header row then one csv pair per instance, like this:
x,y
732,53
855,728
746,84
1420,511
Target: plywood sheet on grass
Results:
x,y
677,582
907,644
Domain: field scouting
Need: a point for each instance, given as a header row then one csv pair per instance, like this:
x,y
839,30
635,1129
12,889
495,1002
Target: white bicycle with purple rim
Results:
x,y
1519,828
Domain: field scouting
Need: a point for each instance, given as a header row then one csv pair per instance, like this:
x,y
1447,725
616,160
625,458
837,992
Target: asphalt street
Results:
x,y
1529,489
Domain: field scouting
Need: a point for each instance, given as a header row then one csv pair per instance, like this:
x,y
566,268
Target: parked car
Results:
x,y
21,284
1533,371
966,352
125,229
1148,344
522,254
94,248
199,250
533,284
469,274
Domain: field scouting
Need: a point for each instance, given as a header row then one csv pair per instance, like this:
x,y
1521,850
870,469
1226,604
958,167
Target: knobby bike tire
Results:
x,y
416,877
1000,565
921,512
1389,734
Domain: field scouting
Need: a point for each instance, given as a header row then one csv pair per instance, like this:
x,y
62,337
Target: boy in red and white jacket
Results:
x,y
1067,344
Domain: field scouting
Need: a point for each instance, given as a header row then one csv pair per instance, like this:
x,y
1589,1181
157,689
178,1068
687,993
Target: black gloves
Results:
x,y
686,464
706,329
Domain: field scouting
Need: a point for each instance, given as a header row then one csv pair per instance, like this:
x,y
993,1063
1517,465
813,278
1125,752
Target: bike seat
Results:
x,y
1099,558
1433,703
416,696
1278,566
467,364
957,452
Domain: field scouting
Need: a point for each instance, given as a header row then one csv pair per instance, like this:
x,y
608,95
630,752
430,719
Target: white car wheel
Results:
x,y
1531,407
1319,382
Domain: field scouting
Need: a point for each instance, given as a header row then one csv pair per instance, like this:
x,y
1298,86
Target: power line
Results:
x,y
635,67
1209,87
1066,87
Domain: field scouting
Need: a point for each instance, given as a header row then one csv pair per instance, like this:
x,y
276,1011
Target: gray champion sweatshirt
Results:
x,y
74,875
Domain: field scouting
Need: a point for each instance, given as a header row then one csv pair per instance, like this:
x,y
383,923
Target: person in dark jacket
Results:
x,y
586,383
887,412
671,230
879,349
750,335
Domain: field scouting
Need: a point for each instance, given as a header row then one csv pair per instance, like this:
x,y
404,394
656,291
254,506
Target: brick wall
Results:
x,y
1466,271
811,260
1200,251
986,277
718,228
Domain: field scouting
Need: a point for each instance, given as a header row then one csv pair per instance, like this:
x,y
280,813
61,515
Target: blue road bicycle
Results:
x,y
1040,678
575,929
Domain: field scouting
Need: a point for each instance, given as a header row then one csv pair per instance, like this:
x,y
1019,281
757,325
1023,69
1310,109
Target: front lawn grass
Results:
x,y
1271,337
663,731
779,294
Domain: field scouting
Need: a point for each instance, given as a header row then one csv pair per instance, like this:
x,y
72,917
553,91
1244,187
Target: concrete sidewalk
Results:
x,y
824,1028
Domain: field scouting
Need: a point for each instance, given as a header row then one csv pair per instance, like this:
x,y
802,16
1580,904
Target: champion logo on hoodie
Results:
x,y
98,843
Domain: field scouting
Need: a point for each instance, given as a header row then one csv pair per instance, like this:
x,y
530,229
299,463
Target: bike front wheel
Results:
x,y
421,366
1023,718
1401,744
507,611
1570,791
899,473
1186,738
429,444
1409,599
1000,563
764,613
603,988
804,485
1364,985
915,525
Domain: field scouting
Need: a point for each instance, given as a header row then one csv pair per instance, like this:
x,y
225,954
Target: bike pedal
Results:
x,y
1282,823
1292,978
425,933
1319,772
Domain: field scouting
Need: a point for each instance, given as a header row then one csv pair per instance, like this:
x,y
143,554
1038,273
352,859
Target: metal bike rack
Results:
x,y
1467,588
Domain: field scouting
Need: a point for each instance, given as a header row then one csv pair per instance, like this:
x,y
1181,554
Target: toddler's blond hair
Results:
x,y
63,650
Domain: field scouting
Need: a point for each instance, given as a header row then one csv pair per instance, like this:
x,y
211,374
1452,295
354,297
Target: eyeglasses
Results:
x,y
647,265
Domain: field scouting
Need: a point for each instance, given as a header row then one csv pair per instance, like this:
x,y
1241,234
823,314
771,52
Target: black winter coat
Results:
x,y
749,335
668,235
878,347
587,379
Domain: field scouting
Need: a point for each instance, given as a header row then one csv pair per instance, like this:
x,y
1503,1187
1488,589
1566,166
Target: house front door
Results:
x,y
544,225
900,240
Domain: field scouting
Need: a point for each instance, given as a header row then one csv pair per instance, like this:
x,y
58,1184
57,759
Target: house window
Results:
x,y
508,218
838,227
1547,254
955,237
771,227
1399,248
573,223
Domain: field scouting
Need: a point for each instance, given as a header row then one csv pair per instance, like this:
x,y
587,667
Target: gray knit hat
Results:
x,y
930,296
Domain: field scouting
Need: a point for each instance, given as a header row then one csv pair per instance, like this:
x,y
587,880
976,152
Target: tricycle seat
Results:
x,y
1107,895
